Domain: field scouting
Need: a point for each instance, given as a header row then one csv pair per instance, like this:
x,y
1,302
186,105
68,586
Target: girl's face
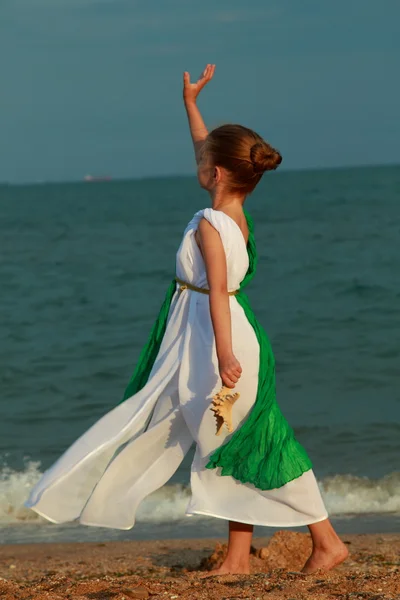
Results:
x,y
206,172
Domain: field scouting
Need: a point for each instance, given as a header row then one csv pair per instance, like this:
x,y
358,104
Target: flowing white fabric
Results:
x,y
135,448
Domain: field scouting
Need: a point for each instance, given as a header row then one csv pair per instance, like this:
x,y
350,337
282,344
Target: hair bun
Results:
x,y
264,157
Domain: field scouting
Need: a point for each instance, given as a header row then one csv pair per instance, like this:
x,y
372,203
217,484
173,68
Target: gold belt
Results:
x,y
188,286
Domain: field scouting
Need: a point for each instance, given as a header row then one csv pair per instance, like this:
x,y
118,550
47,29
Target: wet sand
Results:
x,y
172,568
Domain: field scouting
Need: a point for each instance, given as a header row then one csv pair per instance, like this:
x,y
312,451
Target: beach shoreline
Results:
x,y
172,568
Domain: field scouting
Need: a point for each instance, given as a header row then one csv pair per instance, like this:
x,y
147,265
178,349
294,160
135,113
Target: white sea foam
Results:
x,y
166,504
14,490
348,494
343,495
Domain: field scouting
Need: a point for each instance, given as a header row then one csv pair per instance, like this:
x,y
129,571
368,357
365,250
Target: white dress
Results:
x,y
135,448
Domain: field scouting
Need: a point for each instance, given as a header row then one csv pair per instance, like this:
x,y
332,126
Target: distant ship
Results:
x,y
97,178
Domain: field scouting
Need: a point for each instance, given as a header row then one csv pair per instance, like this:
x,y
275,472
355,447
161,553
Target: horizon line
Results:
x,y
110,179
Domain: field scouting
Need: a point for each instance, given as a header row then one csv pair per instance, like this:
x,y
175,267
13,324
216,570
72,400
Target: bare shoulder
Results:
x,y
207,236
206,228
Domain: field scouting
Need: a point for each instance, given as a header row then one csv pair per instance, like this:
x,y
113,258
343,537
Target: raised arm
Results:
x,y
198,130
215,262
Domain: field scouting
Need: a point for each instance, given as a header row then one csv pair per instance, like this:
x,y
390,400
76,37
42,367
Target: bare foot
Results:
x,y
326,559
226,569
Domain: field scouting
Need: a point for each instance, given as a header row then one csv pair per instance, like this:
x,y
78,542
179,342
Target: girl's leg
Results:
x,y
328,549
238,558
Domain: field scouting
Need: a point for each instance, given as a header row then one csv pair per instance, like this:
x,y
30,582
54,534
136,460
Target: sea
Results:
x,y
83,271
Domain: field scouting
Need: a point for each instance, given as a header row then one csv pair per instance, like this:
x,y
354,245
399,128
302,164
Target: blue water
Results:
x,y
83,271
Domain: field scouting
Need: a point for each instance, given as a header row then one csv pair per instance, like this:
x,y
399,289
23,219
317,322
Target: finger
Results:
x,y
203,79
204,72
186,79
237,373
206,77
212,71
227,381
232,376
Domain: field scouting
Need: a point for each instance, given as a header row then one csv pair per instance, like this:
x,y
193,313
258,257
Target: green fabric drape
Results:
x,y
264,450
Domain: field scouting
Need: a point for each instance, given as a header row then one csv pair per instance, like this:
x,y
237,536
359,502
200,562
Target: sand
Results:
x,y
171,569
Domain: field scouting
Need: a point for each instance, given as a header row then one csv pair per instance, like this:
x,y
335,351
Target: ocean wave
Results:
x,y
353,495
344,495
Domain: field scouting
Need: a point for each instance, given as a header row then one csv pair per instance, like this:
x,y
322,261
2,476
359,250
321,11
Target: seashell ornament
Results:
x,y
222,404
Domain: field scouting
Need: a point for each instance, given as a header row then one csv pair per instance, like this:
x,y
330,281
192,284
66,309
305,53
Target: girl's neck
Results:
x,y
221,200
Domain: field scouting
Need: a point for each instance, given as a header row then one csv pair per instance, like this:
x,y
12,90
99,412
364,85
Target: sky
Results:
x,y
95,86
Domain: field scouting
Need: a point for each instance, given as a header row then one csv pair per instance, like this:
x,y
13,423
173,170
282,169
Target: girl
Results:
x,y
206,334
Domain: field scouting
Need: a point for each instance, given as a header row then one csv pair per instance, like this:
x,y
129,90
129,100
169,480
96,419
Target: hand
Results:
x,y
229,370
192,90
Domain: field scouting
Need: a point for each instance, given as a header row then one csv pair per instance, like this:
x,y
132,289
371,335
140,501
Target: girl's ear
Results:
x,y
217,174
